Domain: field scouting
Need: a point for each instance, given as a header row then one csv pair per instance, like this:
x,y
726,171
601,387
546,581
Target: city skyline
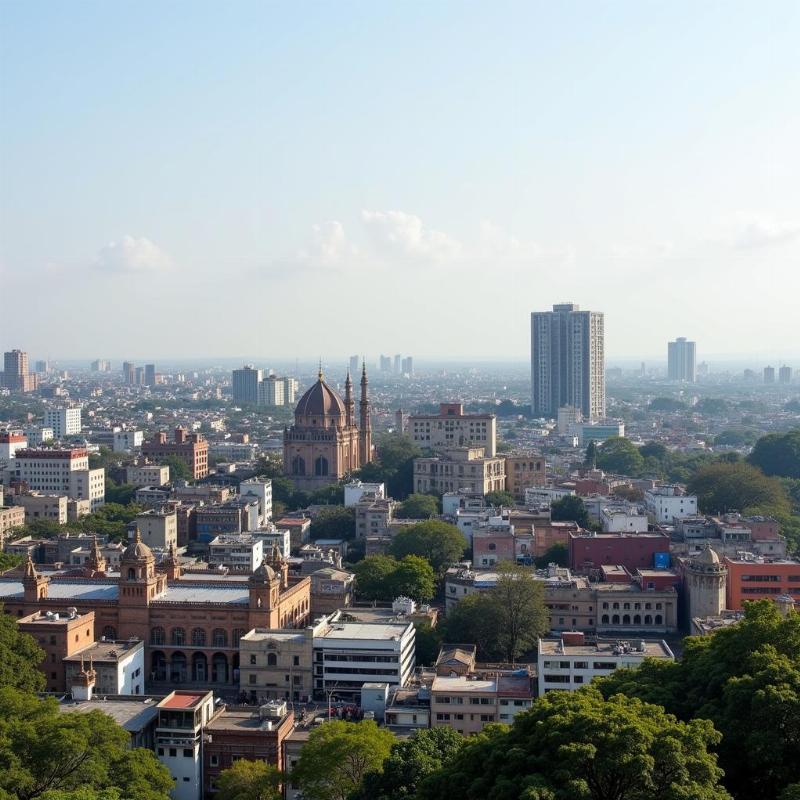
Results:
x,y
650,176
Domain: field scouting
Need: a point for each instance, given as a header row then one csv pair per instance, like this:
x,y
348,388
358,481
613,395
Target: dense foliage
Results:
x,y
394,465
570,509
723,487
250,780
335,522
418,506
439,542
20,656
778,454
580,746
385,578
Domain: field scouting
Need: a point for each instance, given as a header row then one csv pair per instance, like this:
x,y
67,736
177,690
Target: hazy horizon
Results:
x,y
199,180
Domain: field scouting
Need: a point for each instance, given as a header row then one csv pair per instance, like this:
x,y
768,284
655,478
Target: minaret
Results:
x,y
349,405
365,426
96,561
34,585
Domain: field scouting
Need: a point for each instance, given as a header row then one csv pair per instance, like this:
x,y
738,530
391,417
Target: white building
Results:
x,y
64,421
243,553
568,419
599,431
262,491
127,441
182,716
282,537
536,496
667,503
681,360
37,435
10,442
233,451
119,666
147,475
622,520
158,528
354,491
571,662
60,472
350,654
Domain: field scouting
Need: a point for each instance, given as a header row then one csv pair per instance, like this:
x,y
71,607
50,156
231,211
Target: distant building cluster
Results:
x,y
251,387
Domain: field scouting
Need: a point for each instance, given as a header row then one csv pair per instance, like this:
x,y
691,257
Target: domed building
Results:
x,y
706,578
325,444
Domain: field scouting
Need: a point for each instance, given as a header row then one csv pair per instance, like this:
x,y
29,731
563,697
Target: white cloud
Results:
x,y
131,254
399,233
329,246
765,233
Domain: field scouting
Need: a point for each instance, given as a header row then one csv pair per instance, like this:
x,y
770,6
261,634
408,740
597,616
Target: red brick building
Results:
x,y
191,448
758,578
589,551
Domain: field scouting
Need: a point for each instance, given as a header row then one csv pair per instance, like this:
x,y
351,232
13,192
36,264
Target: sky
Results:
x,y
303,179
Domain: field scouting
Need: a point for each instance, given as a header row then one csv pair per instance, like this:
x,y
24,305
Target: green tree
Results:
x,y
745,679
722,487
9,561
579,746
473,620
734,438
555,554
178,468
335,522
517,604
570,509
332,495
336,757
654,450
499,498
121,494
418,506
413,577
409,763
427,641
440,543
250,780
590,459
666,404
711,406
372,577
20,656
778,454
45,750
620,455
394,464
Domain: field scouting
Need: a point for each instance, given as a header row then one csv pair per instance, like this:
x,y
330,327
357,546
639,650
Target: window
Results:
x,y
199,637
188,752
214,761
178,636
173,752
251,677
157,635
296,661
272,660
237,634
219,637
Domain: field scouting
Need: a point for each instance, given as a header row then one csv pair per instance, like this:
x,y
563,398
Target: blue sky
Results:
x,y
310,178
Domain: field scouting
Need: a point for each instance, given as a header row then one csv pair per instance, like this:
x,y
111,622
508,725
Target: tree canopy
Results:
x,y
723,487
570,509
335,522
620,455
20,656
409,763
385,578
250,780
394,464
439,542
580,746
778,454
745,679
499,498
418,506
338,755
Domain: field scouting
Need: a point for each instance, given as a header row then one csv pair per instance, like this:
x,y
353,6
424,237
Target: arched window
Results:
x,y
637,619
110,632
615,606
658,619
272,659
298,466
321,466
626,619
198,637
131,574
605,619
236,635
157,635
178,636
648,620
615,619
219,637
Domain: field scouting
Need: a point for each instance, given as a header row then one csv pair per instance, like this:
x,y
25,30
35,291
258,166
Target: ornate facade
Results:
x,y
325,444
190,626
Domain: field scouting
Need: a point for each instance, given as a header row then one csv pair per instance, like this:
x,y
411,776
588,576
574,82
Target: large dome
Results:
x,y
320,400
137,550
707,557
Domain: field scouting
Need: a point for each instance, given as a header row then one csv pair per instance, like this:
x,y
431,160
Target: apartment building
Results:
x,y
52,507
572,660
10,517
147,475
451,427
753,577
192,449
242,553
158,528
460,468
64,421
524,470
668,503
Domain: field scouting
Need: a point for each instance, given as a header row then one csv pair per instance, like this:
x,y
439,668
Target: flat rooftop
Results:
x,y
263,635
463,684
241,720
132,713
377,631
106,652
180,700
653,648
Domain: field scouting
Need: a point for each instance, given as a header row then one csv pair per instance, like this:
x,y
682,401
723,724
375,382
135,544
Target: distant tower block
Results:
x,y
706,581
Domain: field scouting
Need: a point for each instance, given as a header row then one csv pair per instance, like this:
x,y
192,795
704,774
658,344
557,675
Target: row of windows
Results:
x,y
636,606
219,637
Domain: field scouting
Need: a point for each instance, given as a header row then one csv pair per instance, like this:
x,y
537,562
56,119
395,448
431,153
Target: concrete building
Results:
x,y
262,490
568,361
785,374
245,384
147,475
182,718
599,431
213,520
524,470
10,442
754,577
332,589
354,491
119,666
451,428
192,449
37,435
158,528
622,520
60,634
666,504
52,507
275,537
374,515
769,375
10,517
242,553
589,551
60,472
64,421
17,377
572,661
271,391
460,468
681,360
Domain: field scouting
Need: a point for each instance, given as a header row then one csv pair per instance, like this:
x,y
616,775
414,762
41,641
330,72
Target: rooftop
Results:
x,y
369,631
242,719
463,684
234,595
183,699
639,648
131,712
107,652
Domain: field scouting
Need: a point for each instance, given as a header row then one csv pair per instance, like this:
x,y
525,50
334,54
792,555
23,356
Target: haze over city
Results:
x,y
297,181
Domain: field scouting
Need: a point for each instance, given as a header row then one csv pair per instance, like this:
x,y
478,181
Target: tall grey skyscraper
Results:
x,y
568,361
355,363
681,360
245,384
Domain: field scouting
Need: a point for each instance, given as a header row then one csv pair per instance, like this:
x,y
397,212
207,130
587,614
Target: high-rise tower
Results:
x,y
681,358
568,361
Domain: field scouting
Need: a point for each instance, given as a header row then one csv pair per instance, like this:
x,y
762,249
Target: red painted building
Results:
x,y
589,551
